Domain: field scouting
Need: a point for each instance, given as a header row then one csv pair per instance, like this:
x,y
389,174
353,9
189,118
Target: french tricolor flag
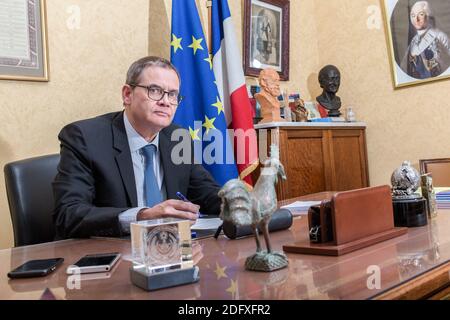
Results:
x,y
227,65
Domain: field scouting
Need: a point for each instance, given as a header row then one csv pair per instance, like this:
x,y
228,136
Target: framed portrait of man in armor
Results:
x,y
418,39
266,36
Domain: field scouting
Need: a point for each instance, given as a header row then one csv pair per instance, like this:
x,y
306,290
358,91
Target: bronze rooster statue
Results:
x,y
255,208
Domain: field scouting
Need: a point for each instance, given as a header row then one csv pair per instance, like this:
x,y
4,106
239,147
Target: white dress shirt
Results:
x,y
136,143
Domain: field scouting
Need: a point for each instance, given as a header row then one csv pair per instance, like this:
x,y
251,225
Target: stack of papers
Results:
x,y
443,198
207,224
300,207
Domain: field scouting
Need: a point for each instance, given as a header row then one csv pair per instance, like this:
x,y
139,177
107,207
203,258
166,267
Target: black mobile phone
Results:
x,y
35,268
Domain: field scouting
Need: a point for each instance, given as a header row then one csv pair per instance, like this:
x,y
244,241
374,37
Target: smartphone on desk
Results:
x,y
35,268
94,263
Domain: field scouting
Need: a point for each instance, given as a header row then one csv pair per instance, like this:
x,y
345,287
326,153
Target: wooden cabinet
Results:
x,y
319,157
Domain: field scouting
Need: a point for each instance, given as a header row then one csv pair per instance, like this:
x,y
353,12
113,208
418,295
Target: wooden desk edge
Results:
x,y
434,284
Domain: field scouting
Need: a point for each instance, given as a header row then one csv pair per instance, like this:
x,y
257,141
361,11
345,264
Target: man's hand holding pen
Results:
x,y
183,198
171,209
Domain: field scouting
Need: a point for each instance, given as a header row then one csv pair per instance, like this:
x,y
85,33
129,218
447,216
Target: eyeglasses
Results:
x,y
157,93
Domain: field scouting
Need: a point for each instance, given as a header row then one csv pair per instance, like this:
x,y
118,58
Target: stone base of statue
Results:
x,y
410,211
334,113
271,115
266,262
150,281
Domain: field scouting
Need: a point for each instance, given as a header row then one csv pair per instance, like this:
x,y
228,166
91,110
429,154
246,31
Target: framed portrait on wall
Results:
x,y
23,40
266,36
418,40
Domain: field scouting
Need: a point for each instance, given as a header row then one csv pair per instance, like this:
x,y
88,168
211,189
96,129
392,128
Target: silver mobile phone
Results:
x,y
94,263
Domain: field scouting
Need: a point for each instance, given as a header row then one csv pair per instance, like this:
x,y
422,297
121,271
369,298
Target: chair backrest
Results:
x,y
30,198
439,169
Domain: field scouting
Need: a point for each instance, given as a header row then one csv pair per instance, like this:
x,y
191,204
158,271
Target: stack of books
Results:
x,y
443,198
329,119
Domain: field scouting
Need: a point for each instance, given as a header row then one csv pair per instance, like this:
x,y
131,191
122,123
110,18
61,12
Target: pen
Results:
x,y
218,231
183,198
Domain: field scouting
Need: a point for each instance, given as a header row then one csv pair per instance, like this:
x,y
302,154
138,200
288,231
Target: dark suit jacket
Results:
x,y
95,180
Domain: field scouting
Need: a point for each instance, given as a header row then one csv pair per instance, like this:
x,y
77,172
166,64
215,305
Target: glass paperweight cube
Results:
x,y
161,245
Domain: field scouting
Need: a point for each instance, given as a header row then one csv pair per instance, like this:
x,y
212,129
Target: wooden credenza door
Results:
x,y
321,158
348,159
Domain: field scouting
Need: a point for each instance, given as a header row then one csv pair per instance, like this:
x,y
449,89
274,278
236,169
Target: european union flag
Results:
x,y
201,110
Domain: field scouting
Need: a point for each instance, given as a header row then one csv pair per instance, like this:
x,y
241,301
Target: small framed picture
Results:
x,y
266,37
313,112
418,40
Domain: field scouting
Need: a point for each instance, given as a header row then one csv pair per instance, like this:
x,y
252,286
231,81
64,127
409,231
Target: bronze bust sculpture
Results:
x,y
330,80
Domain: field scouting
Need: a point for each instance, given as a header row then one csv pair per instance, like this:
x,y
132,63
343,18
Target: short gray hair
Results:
x,y
422,6
136,69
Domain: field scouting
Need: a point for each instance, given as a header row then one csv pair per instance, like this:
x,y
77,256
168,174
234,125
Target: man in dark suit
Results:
x,y
118,168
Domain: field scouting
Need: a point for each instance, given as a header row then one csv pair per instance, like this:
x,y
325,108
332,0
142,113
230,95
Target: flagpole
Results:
x,y
209,6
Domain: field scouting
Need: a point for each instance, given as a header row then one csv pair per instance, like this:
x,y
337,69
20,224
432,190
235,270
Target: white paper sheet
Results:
x,y
207,224
300,207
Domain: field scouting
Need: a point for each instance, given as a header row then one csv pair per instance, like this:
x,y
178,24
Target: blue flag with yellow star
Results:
x,y
201,110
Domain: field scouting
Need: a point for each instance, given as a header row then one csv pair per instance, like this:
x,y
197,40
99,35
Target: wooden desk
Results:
x,y
319,156
412,266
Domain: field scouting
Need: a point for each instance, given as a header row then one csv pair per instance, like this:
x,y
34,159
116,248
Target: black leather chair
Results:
x,y
30,198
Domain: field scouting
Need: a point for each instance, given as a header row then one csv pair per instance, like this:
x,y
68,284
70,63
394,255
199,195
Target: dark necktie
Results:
x,y
153,194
